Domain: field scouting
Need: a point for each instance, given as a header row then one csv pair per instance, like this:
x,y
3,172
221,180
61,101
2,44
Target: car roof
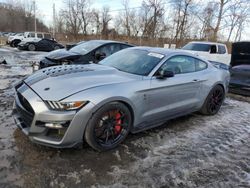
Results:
x,y
164,51
109,41
207,42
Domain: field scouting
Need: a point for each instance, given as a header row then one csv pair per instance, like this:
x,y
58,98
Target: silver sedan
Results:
x,y
133,90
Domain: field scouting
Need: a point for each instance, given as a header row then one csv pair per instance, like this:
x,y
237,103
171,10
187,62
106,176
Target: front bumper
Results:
x,y
31,113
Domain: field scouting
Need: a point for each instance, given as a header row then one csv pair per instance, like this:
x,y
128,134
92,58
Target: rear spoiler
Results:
x,y
220,65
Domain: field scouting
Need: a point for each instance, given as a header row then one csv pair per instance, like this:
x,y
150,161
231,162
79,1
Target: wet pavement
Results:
x,y
192,151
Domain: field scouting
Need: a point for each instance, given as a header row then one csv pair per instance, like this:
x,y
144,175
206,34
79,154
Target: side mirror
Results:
x,y
165,74
100,56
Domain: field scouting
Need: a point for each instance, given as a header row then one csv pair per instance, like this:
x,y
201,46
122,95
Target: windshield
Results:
x,y
197,47
86,47
134,61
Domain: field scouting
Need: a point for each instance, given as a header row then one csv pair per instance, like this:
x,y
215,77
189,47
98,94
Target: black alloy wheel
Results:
x,y
108,127
214,101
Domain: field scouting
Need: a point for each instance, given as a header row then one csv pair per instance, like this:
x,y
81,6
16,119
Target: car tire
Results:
x,y
213,101
31,47
15,43
108,126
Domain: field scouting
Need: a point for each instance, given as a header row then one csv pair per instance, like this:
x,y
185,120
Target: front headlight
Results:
x,y
66,105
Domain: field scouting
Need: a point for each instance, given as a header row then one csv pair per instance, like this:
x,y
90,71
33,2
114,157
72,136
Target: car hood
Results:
x,y
62,54
59,82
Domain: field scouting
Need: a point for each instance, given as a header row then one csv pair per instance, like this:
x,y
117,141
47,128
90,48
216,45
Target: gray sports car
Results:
x,y
135,89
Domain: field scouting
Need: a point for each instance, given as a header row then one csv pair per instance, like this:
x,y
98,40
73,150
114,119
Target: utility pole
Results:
x,y
54,20
34,4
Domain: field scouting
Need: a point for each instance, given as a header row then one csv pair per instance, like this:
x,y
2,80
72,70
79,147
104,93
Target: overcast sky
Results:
x,y
45,10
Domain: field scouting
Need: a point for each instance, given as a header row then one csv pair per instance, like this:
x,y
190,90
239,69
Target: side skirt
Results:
x,y
152,124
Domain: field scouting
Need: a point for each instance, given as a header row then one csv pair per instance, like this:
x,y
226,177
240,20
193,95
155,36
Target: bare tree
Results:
x,y
96,20
237,15
85,14
71,16
182,12
127,17
152,12
106,18
222,9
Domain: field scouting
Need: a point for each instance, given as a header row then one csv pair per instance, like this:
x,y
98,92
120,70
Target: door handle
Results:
x,y
196,80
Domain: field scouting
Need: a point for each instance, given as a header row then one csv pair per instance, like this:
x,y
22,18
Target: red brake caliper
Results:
x,y
118,126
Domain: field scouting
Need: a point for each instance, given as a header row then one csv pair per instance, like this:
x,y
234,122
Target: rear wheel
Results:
x,y
31,47
213,101
108,127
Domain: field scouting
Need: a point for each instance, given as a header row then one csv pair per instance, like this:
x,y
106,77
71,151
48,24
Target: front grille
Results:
x,y
25,111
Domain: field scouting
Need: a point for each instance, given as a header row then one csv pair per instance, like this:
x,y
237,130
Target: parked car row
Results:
x,y
33,41
6,34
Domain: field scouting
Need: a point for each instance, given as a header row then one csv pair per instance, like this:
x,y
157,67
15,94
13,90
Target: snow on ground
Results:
x,y
192,151
15,57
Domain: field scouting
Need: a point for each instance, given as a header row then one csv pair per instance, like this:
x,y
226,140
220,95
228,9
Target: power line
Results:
x,y
118,10
131,8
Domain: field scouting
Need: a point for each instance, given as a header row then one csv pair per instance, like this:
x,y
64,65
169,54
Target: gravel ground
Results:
x,y
192,151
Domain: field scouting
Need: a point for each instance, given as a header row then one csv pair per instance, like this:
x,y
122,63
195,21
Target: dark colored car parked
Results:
x,y
87,52
240,71
40,45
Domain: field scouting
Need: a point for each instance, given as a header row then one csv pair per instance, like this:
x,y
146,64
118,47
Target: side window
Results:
x,y
31,35
114,48
104,50
200,65
39,35
221,49
180,65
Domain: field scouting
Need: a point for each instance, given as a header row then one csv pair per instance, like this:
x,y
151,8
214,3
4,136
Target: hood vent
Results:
x,y
65,69
56,71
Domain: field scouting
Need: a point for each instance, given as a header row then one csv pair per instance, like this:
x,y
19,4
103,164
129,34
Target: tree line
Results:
x,y
19,17
174,19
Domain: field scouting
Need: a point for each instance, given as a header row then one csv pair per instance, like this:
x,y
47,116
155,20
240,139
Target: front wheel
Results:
x,y
108,127
31,47
15,43
213,101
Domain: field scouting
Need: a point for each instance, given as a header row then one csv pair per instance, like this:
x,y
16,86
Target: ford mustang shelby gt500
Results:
x,y
135,89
